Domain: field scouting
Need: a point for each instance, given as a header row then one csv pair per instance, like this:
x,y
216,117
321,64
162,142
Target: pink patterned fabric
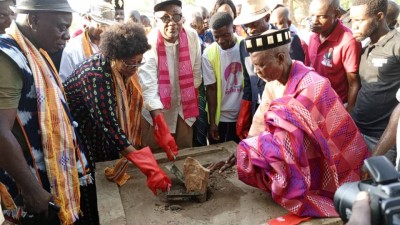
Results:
x,y
186,79
309,148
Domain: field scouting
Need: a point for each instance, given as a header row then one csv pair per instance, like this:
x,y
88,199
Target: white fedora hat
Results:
x,y
102,12
252,10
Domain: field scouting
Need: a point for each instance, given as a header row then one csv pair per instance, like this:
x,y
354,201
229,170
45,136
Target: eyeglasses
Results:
x,y
166,19
134,66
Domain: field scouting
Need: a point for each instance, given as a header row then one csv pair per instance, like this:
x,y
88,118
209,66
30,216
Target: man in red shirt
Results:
x,y
333,51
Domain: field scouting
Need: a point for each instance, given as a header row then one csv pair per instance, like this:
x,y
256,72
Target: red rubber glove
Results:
x,y
164,138
145,161
244,120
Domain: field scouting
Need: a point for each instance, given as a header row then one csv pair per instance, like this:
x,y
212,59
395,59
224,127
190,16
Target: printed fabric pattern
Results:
x,y
309,148
51,147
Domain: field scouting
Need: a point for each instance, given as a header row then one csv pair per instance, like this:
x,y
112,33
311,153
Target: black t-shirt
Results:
x,y
380,80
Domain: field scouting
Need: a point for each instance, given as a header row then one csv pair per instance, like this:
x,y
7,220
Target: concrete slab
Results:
x,y
109,203
231,201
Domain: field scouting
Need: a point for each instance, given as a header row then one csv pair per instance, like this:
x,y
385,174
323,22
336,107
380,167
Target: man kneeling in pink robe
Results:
x,y
304,144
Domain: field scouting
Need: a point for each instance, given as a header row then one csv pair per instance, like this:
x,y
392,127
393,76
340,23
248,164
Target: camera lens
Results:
x,y
344,199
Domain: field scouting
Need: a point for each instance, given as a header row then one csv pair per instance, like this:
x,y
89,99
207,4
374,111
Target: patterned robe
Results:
x,y
28,121
310,147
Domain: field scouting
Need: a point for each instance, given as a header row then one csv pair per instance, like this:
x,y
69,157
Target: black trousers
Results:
x,y
227,132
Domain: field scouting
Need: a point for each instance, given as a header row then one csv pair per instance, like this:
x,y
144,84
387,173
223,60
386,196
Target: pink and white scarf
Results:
x,y
186,78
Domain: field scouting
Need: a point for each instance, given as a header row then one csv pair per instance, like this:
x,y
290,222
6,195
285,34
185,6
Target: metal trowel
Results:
x,y
175,170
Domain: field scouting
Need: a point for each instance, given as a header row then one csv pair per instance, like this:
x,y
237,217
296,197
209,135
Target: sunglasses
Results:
x,y
134,66
166,19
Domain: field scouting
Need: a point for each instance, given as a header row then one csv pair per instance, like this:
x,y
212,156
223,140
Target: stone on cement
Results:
x,y
196,176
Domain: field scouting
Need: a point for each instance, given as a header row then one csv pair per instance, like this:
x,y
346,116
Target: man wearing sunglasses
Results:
x,y
169,79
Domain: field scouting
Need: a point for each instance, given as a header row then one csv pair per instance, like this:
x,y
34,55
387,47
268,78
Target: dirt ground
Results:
x,y
229,200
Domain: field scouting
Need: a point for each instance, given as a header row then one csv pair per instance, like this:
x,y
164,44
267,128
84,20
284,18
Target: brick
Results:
x,y
196,176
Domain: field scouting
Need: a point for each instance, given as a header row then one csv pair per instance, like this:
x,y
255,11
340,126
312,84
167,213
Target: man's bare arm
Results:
x,y
12,160
354,86
211,94
388,138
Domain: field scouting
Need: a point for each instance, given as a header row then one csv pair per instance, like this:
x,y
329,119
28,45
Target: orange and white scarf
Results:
x,y
129,106
87,47
58,138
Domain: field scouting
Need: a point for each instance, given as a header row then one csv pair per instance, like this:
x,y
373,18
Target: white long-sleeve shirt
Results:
x,y
148,75
72,56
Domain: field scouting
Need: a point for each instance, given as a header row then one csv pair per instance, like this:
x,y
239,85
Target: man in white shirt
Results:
x,y
169,78
223,78
81,47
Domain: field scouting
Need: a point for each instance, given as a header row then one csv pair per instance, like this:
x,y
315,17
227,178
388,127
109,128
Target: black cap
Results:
x,y
267,40
161,3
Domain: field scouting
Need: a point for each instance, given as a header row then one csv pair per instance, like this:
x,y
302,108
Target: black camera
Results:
x,y
383,189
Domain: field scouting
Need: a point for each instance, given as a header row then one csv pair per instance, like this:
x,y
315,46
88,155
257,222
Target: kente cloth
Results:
x,y
129,104
186,82
5,199
310,147
117,174
87,48
55,155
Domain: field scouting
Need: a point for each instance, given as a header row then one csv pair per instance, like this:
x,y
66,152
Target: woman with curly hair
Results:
x,y
104,96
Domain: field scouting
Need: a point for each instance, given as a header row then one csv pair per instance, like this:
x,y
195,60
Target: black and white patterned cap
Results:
x,y
268,40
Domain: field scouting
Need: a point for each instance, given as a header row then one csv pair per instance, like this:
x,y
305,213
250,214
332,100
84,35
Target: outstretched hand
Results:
x,y
145,161
213,132
223,165
164,138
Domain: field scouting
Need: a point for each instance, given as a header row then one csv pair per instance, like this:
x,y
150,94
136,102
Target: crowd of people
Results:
x,y
305,112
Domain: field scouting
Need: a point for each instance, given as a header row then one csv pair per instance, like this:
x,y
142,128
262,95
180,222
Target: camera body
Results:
x,y
383,189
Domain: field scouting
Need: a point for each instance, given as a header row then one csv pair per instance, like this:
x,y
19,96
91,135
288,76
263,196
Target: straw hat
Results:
x,y
26,6
252,10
